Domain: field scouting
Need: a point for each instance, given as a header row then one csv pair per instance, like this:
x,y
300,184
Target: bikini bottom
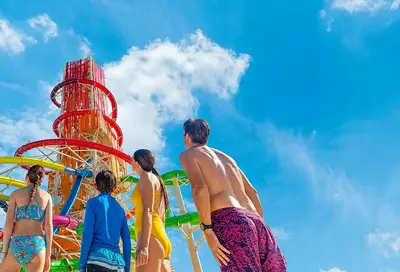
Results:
x,y
25,248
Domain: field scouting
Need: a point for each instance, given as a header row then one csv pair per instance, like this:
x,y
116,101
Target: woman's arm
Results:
x,y
48,226
8,227
146,189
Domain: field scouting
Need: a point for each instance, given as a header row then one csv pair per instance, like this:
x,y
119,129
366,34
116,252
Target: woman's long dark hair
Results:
x,y
35,175
146,159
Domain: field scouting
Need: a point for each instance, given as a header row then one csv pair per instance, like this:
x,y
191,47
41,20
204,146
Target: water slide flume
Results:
x,y
72,196
59,221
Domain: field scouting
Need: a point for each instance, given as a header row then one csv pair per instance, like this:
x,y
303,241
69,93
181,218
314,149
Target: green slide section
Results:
x,y
167,178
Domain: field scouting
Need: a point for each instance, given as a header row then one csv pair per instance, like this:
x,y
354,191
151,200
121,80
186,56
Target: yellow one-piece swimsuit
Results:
x,y
157,226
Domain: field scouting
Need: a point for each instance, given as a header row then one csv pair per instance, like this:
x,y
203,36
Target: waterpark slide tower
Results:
x,y
88,113
85,115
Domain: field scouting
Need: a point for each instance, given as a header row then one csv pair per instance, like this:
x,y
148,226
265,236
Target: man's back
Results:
x,y
214,174
236,180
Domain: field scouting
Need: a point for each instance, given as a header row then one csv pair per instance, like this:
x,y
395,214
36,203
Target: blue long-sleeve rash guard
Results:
x,y
105,223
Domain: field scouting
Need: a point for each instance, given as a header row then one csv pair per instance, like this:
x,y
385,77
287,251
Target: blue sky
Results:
x,y
303,95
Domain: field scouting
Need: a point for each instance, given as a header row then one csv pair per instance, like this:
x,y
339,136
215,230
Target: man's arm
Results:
x,y
200,192
251,192
87,236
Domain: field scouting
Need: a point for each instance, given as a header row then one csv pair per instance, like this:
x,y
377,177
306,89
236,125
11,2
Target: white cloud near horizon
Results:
x,y
13,41
334,269
387,243
45,24
156,85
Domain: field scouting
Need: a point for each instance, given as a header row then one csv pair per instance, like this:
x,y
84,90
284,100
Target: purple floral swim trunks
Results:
x,y
250,241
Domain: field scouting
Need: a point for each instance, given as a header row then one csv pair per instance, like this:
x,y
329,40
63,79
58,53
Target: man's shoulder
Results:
x,y
225,157
192,154
186,154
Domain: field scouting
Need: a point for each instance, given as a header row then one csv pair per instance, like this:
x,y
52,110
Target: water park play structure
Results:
x,y
88,140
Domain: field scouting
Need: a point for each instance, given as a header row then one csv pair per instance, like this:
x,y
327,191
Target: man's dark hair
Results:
x,y
105,181
197,129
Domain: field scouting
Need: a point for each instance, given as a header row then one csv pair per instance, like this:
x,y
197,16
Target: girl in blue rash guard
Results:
x,y
105,223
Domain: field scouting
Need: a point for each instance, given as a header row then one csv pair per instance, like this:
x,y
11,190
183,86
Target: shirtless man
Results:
x,y
238,238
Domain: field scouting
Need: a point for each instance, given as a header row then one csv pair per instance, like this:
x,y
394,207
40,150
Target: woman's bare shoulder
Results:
x,y
44,194
17,192
149,180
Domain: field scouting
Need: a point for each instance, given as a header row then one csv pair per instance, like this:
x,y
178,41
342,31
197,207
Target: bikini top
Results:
x,y
30,211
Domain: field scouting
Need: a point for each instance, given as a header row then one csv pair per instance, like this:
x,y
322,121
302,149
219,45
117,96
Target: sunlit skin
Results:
x,y
244,191
149,251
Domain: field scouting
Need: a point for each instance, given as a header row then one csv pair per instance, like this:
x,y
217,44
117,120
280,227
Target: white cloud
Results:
x,y
12,41
280,234
387,243
84,47
12,86
35,123
395,5
296,153
369,6
155,85
364,13
32,125
335,269
387,270
84,44
45,24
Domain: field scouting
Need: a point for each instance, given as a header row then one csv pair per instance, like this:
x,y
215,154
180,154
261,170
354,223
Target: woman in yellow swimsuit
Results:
x,y
150,198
